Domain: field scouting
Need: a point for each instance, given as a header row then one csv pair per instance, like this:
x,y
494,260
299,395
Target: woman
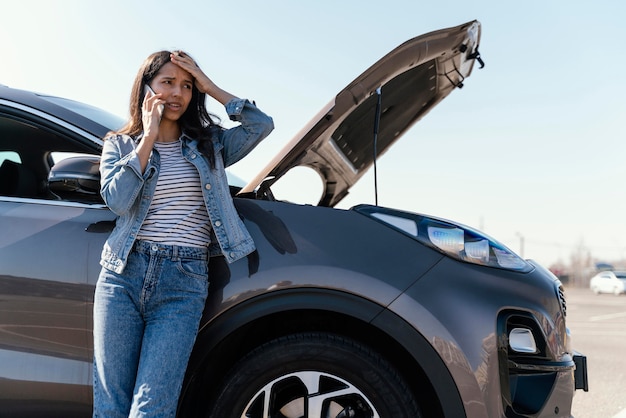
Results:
x,y
163,175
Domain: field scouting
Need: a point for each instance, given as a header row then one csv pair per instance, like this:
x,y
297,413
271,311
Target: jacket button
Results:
x,y
193,156
207,186
218,223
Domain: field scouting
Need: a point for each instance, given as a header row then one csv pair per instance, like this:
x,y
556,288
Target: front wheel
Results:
x,y
314,375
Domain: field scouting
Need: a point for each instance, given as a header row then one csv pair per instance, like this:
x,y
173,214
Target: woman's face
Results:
x,y
175,86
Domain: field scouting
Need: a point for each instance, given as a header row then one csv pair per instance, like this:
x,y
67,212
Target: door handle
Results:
x,y
101,227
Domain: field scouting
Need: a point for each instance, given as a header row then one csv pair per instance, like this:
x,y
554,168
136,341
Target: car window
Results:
x,y
103,117
620,275
26,149
9,155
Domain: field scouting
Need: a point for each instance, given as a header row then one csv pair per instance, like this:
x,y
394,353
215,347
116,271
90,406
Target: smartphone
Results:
x,y
149,89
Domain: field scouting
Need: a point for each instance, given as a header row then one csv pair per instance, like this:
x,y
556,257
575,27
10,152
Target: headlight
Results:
x,y
455,240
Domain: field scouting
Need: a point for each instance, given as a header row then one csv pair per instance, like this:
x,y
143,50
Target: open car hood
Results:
x,y
338,143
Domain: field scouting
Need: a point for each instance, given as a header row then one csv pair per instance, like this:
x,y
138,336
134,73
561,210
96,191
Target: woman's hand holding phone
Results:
x,y
148,94
152,112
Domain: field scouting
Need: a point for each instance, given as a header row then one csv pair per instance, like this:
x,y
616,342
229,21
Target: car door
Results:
x,y
49,250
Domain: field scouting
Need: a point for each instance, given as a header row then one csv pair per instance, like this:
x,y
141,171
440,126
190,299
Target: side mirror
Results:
x,y
76,178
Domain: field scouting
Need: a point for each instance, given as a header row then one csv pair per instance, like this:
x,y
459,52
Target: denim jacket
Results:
x,y
128,192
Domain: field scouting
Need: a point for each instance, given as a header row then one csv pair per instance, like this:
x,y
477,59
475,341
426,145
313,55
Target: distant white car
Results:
x,y
609,282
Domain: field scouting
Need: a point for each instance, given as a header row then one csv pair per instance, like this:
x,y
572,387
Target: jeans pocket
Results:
x,y
197,269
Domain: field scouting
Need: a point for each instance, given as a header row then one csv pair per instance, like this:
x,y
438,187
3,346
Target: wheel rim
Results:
x,y
309,394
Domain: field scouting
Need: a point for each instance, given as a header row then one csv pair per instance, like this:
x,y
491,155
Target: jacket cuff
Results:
x,y
234,108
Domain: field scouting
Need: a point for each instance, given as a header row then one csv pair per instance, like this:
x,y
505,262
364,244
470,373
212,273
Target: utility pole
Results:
x,y
521,244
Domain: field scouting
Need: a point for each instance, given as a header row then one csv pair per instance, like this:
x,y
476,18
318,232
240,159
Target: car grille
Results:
x,y
561,295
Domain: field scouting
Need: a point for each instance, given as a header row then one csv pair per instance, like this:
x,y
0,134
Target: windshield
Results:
x,y
104,118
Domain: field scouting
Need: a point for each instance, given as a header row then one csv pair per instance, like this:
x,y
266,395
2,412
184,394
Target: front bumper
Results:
x,y
536,382
544,389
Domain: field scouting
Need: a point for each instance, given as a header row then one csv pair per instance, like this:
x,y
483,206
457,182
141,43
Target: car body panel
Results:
x,y
479,297
46,302
286,245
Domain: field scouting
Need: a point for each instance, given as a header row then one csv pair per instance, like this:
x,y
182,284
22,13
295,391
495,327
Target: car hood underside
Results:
x,y
398,90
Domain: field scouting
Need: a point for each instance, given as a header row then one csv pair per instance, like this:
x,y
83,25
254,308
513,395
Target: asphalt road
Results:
x,y
598,328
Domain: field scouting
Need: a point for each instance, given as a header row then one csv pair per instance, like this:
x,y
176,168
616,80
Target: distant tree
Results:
x,y
581,265
561,270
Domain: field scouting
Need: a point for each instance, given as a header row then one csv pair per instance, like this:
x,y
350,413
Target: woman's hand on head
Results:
x,y
202,81
184,61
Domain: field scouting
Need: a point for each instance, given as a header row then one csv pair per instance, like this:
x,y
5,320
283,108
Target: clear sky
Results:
x,y
532,148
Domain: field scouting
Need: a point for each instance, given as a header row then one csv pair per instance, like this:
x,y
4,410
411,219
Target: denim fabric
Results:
x,y
145,325
128,192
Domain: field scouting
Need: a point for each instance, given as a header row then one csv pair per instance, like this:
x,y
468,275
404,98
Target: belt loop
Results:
x,y
175,252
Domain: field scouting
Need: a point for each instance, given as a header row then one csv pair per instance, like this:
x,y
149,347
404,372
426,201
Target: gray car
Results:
x,y
364,312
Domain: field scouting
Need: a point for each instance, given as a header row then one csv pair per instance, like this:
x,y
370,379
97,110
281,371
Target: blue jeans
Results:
x,y
145,324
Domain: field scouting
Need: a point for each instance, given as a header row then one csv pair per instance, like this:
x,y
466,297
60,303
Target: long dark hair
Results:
x,y
196,122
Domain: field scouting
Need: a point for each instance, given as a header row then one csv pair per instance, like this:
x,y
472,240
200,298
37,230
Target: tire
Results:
x,y
328,376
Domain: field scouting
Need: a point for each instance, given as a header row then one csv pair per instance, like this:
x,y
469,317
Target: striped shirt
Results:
x,y
177,214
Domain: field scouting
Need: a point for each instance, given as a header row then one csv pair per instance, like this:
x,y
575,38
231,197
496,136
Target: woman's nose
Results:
x,y
176,91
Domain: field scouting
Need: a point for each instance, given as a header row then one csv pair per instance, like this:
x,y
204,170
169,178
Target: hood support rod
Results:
x,y
376,129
